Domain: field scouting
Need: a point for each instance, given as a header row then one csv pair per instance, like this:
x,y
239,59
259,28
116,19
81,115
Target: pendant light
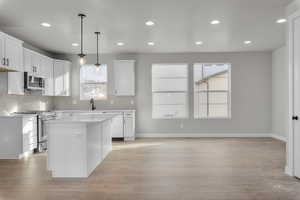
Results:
x,y
81,55
97,64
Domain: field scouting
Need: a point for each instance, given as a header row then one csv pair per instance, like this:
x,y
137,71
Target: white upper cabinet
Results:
x,y
67,75
34,63
49,81
61,74
124,77
11,53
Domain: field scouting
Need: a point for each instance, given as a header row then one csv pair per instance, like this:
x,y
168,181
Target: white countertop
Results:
x,y
77,120
83,117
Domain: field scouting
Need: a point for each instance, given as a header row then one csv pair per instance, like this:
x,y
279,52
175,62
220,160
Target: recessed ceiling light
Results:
x,y
247,42
45,24
120,43
151,43
214,22
199,43
75,44
281,21
150,23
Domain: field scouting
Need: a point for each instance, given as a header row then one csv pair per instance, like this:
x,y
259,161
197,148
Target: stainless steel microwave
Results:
x,y
33,83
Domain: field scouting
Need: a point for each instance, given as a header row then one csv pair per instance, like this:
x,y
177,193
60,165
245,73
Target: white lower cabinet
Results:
x,y
117,127
129,126
123,126
19,136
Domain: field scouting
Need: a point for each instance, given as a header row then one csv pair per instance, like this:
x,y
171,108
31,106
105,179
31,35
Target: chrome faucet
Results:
x,y
92,104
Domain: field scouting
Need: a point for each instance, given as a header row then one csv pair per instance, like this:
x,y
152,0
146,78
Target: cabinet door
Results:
x,y
67,72
124,77
58,75
49,84
15,83
37,63
117,127
128,127
14,54
2,51
27,61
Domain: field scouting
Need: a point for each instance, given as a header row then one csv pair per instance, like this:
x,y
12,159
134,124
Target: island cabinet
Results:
x,y
77,146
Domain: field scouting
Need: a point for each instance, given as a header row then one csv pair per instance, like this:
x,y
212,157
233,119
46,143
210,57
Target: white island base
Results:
x,y
77,147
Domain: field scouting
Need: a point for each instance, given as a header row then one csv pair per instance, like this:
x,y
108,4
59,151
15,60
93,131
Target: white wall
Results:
x,y
280,89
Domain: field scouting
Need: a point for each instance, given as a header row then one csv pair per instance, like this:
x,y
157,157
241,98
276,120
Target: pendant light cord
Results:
x,y
81,32
97,48
97,34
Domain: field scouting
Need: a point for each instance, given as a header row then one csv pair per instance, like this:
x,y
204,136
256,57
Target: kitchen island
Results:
x,y
78,144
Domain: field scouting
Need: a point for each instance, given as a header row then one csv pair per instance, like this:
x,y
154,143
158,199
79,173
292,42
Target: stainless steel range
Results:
x,y
42,138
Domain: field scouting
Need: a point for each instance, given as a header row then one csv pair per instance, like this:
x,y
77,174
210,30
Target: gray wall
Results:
x,y
280,88
251,93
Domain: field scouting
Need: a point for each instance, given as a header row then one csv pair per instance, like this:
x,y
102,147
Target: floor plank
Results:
x,y
154,169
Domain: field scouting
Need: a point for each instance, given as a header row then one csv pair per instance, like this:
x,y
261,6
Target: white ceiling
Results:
x,y
179,24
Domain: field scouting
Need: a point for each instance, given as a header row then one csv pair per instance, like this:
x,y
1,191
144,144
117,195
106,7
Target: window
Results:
x,y
93,82
169,91
212,90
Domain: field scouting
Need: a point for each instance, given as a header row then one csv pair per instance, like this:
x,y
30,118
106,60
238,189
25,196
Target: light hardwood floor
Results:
x,y
163,169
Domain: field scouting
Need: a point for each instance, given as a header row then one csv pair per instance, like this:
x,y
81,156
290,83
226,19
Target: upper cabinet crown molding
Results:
x,y
11,53
124,77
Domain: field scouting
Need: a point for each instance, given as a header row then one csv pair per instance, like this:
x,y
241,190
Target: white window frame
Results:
x,y
229,92
166,92
95,98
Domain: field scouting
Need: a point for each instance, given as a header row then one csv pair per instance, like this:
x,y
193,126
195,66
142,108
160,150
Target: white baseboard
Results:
x,y
204,135
279,137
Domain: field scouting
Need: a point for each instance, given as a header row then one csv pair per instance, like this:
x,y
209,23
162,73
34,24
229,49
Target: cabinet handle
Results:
x,y
7,63
3,61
